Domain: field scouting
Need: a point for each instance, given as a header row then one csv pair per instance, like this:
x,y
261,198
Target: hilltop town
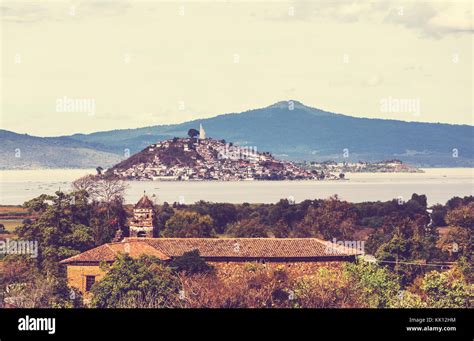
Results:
x,y
202,158
198,157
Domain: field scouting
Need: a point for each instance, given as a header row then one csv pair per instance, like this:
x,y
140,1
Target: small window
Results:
x,y
90,280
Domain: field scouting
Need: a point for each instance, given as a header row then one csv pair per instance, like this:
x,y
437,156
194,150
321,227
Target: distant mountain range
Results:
x,y
303,133
22,151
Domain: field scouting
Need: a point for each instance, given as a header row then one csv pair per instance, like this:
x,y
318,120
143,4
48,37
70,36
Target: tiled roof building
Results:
x,y
221,249
83,269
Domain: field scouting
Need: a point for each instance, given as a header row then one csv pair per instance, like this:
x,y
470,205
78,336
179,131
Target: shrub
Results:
x,y
238,287
376,285
325,289
444,290
407,299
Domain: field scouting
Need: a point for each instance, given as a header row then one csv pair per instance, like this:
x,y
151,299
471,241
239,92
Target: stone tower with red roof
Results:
x,y
143,221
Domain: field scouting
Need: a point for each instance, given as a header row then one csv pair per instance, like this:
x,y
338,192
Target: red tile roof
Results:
x,y
108,252
144,202
220,249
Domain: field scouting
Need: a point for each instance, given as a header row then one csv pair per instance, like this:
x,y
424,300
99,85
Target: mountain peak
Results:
x,y
287,104
291,105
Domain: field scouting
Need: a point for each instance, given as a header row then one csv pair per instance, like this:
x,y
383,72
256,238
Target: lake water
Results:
x,y
439,185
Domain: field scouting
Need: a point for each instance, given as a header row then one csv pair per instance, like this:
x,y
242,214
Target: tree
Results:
x,y
192,133
413,244
420,199
187,224
99,170
106,220
285,212
67,224
247,228
222,214
374,242
133,283
457,242
333,219
163,213
438,215
397,248
105,189
109,189
191,263
406,250
61,228
462,216
456,202
86,183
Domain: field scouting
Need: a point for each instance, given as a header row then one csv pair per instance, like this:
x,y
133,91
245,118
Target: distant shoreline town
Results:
x,y
388,166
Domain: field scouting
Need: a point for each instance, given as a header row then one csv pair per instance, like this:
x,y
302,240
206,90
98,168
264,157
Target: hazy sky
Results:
x,y
142,63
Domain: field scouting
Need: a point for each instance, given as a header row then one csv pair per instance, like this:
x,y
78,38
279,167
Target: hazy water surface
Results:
x,y
439,184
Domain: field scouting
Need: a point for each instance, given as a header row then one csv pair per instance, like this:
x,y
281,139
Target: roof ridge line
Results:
x,y
108,246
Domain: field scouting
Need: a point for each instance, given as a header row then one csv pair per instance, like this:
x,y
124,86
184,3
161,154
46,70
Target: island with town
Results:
x,y
198,158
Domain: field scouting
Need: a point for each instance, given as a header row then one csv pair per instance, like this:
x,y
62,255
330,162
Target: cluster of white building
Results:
x,y
209,159
390,166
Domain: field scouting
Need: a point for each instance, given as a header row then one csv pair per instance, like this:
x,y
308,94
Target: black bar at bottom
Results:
x,y
295,324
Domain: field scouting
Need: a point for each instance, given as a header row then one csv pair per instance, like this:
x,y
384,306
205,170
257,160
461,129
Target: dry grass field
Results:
x,y
10,224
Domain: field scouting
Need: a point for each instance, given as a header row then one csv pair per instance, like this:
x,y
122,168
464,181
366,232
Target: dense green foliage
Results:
x,y
187,224
190,263
378,287
444,291
68,224
136,282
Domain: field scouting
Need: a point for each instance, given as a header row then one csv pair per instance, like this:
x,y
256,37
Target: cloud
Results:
x,y
21,13
433,19
27,12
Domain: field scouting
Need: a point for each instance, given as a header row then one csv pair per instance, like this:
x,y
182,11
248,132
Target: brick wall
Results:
x,y
76,276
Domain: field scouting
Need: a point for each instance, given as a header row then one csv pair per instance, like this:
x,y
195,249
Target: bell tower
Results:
x,y
143,222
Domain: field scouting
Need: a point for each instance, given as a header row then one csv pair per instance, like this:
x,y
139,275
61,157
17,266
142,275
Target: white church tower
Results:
x,y
202,133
